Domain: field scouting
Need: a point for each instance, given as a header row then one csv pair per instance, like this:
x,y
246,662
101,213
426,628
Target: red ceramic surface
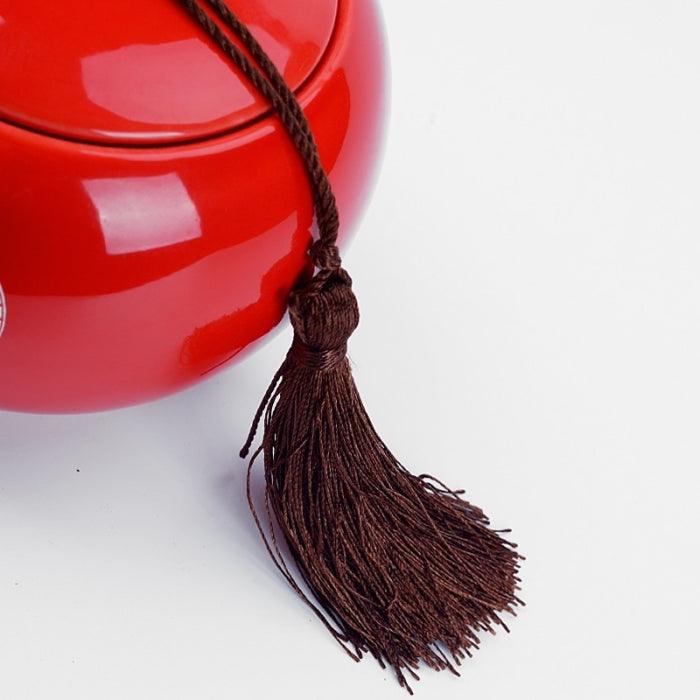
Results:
x,y
141,251
116,72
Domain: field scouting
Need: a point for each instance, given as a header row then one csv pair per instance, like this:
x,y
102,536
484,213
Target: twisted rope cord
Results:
x,y
270,83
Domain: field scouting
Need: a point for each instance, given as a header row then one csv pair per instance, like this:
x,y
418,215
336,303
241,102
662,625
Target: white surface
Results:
x,y
529,277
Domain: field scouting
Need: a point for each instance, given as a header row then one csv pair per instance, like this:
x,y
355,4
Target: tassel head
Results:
x,y
324,315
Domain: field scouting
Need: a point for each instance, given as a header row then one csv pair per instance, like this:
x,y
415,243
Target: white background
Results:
x,y
529,277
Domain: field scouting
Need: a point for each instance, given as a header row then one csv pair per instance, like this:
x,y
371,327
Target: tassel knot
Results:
x,y
325,313
324,256
318,360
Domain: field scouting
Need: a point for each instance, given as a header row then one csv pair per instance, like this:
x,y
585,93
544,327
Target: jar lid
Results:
x,y
117,72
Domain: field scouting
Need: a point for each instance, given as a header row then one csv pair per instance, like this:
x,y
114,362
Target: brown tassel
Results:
x,y
399,565
402,567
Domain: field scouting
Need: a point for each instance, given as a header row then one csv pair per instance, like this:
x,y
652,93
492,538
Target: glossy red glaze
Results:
x,y
115,73
131,272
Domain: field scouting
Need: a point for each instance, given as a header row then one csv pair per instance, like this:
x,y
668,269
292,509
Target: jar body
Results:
x,y
132,272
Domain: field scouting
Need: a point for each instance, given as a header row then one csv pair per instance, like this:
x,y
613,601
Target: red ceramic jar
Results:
x,y
153,212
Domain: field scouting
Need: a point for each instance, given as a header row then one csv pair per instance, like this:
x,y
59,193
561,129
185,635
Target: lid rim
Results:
x,y
167,135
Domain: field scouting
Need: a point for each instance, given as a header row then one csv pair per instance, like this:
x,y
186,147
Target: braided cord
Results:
x,y
269,82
